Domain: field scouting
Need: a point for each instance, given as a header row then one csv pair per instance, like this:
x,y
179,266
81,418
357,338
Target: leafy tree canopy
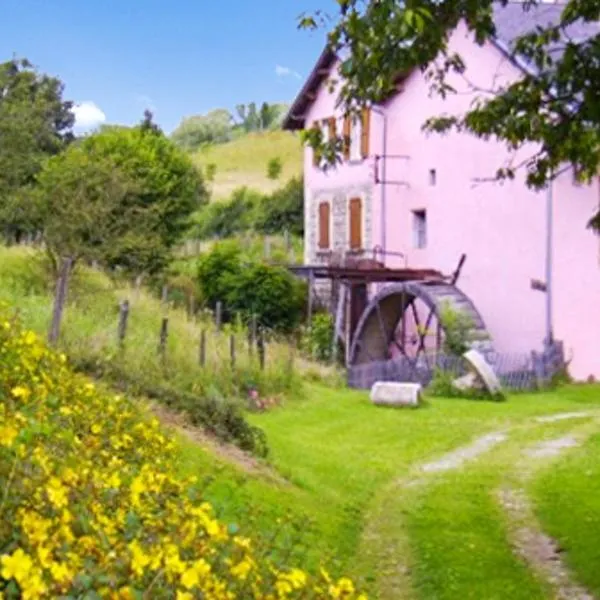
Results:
x,y
35,122
554,105
167,189
213,127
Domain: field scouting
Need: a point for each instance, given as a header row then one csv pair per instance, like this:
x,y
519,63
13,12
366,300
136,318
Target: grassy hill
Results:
x,y
243,161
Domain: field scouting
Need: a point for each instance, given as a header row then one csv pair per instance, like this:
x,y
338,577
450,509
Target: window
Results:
x,y
355,138
324,222
419,229
355,225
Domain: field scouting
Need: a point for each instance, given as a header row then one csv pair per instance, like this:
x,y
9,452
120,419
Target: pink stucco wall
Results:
x,y
500,227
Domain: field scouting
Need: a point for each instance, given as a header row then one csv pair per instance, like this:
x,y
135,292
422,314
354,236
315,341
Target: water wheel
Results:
x,y
403,319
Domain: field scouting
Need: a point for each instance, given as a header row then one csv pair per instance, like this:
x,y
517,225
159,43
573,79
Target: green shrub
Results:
x,y
317,339
250,288
274,167
282,210
458,328
224,219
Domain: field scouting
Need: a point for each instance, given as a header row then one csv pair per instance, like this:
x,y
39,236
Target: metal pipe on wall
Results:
x,y
383,221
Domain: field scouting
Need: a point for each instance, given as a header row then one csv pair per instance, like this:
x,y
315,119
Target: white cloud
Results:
x,y
286,72
88,116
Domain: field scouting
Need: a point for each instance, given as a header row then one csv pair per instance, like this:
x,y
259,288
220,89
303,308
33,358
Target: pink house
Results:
x,y
421,201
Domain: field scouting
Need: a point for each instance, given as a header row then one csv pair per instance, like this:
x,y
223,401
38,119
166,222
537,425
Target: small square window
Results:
x,y
432,177
419,229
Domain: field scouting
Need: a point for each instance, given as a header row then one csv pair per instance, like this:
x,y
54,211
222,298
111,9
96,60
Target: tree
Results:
x,y
76,196
212,128
282,210
554,106
274,167
168,189
35,122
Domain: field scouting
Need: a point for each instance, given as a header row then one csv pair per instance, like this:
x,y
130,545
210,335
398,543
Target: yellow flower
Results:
x,y
7,435
96,429
20,391
16,566
33,587
241,570
297,578
173,563
57,493
192,576
184,595
139,559
60,572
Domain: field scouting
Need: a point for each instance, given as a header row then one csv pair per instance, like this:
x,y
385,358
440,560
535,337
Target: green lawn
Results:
x,y
567,496
243,161
348,464
343,483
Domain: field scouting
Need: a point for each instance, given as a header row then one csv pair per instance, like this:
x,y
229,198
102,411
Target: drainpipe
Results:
x,y
383,224
549,243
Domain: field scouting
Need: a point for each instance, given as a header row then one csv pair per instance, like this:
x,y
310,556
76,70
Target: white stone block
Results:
x,y
484,371
391,393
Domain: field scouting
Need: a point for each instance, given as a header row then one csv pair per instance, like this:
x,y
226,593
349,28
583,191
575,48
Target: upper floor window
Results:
x,y
328,132
357,133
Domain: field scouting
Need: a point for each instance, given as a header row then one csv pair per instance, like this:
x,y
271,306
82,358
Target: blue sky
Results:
x,y
177,57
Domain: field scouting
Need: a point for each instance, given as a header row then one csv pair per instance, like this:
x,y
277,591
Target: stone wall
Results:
x,y
339,199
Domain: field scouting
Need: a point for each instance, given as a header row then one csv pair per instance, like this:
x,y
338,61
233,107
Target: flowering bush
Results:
x,y
90,506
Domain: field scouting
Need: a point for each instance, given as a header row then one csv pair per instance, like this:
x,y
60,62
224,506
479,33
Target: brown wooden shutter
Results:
x,y
347,130
324,225
365,132
332,131
316,153
355,224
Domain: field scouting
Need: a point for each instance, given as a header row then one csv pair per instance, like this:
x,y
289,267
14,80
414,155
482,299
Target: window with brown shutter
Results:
x,y
332,132
355,224
346,133
324,225
316,153
365,132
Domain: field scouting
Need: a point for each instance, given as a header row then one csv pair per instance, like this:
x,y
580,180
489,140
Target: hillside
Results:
x,y
243,161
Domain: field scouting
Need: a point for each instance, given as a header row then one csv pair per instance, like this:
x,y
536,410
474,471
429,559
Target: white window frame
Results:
x,y
355,138
419,229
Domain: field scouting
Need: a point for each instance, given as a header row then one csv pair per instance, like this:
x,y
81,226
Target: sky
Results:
x,y
175,57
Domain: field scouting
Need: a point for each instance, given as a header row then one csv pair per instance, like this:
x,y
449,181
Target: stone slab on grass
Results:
x,y
391,393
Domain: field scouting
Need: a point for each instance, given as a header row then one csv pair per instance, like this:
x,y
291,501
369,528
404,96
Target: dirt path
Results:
x,y
386,544
539,551
457,458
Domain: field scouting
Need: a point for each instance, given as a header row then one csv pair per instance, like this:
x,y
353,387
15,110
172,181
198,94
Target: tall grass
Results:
x,y
89,338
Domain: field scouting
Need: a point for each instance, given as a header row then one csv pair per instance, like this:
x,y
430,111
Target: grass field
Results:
x,y
412,504
243,161
354,475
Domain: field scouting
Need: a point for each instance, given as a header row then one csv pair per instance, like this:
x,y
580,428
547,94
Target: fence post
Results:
x,y
165,294
191,307
202,352
260,346
123,316
232,349
164,333
218,315
252,336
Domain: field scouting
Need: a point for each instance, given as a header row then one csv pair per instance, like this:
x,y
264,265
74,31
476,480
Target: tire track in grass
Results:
x,y
540,551
430,535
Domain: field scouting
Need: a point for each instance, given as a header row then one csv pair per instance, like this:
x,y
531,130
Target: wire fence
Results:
x,y
516,371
